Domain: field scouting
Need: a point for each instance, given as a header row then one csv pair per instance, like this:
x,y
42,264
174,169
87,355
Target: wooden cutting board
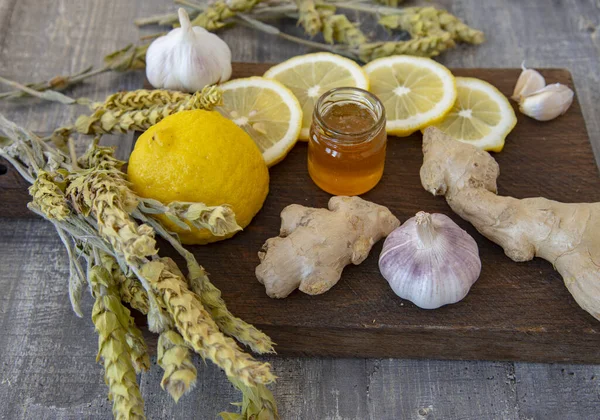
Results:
x,y
515,311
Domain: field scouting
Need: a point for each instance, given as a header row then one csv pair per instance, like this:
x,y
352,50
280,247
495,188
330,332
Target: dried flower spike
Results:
x,y
175,358
308,17
109,317
199,330
106,119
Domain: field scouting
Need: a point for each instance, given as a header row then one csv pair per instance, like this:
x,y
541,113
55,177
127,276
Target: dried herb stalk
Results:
x,y
216,15
427,21
97,188
110,318
308,17
134,338
219,220
210,296
105,194
258,403
338,28
199,330
430,46
116,117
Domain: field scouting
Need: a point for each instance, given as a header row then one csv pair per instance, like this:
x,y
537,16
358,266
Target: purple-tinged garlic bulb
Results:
x,y
430,261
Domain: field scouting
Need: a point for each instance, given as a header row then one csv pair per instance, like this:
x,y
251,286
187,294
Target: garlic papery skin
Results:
x,y
547,103
430,261
528,82
187,58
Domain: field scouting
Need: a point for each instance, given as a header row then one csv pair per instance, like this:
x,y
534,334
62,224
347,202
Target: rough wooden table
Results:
x,y
47,354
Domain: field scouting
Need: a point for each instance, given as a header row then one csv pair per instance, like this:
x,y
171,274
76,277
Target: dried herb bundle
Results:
x,y
101,221
432,31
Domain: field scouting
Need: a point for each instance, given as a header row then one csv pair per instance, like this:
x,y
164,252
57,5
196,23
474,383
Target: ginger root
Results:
x,y
314,245
565,234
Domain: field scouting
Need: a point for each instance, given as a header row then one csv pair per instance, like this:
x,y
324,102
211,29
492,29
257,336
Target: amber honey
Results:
x,y
346,150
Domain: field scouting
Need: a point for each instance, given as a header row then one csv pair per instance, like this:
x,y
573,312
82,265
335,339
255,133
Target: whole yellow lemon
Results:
x,y
200,156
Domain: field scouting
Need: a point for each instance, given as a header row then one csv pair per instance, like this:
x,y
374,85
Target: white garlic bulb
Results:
x,y
430,261
528,82
187,58
547,103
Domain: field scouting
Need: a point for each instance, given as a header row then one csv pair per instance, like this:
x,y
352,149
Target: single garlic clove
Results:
x,y
528,82
548,102
430,261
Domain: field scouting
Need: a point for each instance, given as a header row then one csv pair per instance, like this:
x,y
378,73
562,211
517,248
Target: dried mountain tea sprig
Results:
x,y
142,98
104,194
258,403
246,12
338,28
426,21
38,156
110,318
134,338
49,195
460,31
175,358
429,46
308,17
119,119
219,220
210,296
216,15
199,330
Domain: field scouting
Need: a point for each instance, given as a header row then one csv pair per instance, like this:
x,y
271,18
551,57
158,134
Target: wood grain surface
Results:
x,y
514,311
47,355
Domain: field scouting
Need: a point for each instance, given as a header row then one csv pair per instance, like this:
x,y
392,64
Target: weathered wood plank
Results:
x,y
407,389
565,392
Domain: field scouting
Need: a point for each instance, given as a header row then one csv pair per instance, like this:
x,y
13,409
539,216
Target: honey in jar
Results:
x,y
346,147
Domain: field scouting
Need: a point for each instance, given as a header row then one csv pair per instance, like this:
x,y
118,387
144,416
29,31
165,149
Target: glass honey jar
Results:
x,y
346,147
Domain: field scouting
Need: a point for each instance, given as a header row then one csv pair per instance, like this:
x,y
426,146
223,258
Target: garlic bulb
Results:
x,y
547,103
528,82
430,261
187,58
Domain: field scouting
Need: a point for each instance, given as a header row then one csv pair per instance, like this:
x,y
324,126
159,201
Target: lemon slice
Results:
x,y
268,111
481,115
311,75
415,91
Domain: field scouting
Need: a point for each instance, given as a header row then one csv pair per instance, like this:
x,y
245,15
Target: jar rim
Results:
x,y
372,99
